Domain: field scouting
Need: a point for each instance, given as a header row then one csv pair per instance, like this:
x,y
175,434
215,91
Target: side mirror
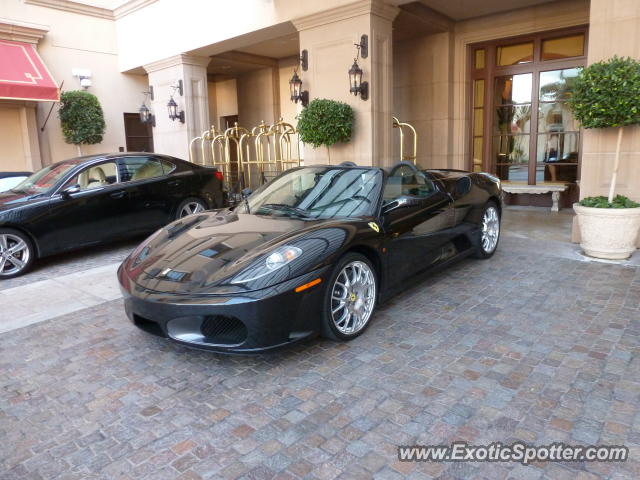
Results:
x,y
70,190
246,192
404,201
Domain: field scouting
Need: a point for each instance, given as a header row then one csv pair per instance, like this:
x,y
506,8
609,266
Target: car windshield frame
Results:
x,y
26,186
261,202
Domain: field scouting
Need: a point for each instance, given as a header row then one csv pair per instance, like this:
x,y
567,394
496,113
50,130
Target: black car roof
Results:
x,y
107,156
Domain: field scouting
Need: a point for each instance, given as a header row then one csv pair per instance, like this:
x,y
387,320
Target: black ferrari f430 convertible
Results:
x,y
310,253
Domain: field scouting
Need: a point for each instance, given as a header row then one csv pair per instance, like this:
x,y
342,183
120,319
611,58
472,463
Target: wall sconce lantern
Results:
x,y
172,106
356,85
145,114
297,94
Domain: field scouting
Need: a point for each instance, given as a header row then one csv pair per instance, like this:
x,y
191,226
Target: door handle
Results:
x,y
173,183
119,194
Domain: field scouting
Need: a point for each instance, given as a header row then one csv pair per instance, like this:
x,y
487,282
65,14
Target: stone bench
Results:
x,y
555,188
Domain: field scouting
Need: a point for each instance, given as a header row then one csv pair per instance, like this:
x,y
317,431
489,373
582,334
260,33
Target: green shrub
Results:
x,y
607,94
325,122
81,117
619,201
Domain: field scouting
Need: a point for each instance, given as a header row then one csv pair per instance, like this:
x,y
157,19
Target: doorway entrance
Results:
x,y
523,130
138,135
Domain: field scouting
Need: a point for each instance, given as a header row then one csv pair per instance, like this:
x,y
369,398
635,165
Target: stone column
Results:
x,y
329,37
613,26
171,137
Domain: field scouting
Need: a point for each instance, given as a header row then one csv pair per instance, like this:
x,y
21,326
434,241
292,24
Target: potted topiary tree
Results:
x,y
325,122
81,117
607,95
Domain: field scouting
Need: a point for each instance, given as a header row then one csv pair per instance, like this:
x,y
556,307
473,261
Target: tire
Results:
x,y
363,299
189,206
17,253
489,237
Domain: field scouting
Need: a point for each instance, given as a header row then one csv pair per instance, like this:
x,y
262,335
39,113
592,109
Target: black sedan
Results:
x,y
312,252
96,199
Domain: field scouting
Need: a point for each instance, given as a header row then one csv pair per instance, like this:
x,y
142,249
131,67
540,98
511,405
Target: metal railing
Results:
x,y
403,127
248,158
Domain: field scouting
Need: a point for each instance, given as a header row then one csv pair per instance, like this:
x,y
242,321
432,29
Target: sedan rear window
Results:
x,y
140,168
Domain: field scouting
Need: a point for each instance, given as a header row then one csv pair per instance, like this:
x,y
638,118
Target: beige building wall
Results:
x,y
80,41
329,39
614,30
223,101
12,139
524,21
258,97
431,76
288,109
172,137
423,97
215,28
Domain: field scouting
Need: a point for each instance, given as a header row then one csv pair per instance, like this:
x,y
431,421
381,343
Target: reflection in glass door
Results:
x,y
512,126
558,134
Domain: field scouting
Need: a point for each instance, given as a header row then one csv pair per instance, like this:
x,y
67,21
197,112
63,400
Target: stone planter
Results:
x,y
609,233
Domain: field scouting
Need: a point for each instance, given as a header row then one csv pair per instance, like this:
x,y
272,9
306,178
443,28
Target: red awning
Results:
x,y
23,74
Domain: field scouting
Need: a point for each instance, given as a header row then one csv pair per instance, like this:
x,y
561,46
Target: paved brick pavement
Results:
x,y
525,346
73,262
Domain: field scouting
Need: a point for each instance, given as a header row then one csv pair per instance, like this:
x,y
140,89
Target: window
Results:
x,y
405,180
44,179
167,166
521,128
514,54
564,47
140,168
96,176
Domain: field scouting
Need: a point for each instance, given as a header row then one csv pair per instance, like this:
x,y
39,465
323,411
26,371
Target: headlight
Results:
x,y
277,259
281,256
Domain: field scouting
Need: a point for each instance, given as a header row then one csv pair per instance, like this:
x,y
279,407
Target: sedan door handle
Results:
x,y
119,194
173,183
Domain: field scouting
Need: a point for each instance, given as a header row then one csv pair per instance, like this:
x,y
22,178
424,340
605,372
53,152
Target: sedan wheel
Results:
x,y
353,293
16,254
191,206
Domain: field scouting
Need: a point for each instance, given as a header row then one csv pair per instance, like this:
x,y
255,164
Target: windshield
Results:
x,y
318,192
43,179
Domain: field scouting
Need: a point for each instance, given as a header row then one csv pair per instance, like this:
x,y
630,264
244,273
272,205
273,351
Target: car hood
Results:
x,y
10,200
202,254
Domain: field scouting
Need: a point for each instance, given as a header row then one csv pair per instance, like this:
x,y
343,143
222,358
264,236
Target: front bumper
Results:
x,y
251,322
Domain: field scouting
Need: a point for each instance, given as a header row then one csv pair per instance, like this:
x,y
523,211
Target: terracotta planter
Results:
x,y
609,233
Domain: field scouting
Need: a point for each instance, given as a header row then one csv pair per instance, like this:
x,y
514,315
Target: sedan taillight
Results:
x,y
218,175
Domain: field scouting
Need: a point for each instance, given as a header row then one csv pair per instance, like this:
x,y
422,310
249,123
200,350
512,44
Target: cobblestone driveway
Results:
x,y
525,346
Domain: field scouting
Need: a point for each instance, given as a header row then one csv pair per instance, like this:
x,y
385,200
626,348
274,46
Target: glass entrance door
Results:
x,y
523,130
534,132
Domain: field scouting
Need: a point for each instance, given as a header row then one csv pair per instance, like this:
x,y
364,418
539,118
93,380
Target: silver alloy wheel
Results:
x,y
191,208
490,229
14,254
353,297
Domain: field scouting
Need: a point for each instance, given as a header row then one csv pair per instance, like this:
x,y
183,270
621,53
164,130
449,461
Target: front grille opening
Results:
x,y
224,330
148,326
